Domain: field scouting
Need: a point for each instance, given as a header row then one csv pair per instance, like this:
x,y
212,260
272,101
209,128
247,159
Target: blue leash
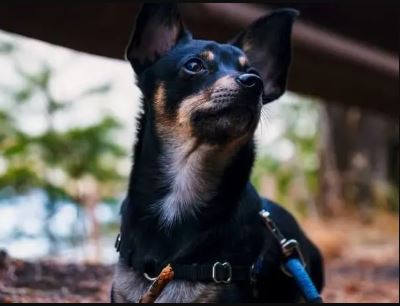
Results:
x,y
303,280
294,264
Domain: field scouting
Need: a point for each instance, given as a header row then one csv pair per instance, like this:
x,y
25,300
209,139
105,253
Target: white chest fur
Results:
x,y
191,178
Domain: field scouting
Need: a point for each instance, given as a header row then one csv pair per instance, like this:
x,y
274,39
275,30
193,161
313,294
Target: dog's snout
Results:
x,y
250,81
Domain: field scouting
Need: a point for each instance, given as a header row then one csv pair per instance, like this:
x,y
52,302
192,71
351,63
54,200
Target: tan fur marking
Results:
x,y
159,98
189,105
243,61
225,82
176,128
207,55
163,122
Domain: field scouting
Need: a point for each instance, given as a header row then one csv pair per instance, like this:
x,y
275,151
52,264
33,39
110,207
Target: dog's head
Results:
x,y
205,90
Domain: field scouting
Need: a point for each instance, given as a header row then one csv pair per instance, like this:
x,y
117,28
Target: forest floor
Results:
x,y
361,261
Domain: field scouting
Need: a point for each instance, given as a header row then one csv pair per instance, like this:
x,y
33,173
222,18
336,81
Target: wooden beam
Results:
x,y
100,28
239,15
325,64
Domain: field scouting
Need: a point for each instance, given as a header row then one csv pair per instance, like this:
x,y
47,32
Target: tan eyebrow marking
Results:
x,y
243,61
207,55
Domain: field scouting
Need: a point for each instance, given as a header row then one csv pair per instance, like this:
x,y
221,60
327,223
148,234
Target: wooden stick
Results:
x,y
158,285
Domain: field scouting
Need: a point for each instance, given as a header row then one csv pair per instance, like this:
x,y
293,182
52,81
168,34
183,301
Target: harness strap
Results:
x,y
218,272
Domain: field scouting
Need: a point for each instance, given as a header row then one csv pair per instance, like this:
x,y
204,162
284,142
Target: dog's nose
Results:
x,y
250,81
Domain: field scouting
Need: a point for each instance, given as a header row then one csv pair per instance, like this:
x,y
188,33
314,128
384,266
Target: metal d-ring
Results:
x,y
225,265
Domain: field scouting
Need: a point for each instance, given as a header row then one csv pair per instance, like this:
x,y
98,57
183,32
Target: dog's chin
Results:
x,y
223,125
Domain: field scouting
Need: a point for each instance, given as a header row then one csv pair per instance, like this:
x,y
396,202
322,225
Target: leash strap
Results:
x,y
303,280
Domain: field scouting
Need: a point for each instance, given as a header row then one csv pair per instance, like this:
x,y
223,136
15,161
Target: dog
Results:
x,y
189,201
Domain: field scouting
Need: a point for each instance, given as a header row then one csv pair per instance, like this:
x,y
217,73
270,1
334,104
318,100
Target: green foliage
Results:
x,y
81,151
19,179
77,153
75,165
296,179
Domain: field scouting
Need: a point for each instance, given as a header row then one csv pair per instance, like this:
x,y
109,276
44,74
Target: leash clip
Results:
x,y
289,247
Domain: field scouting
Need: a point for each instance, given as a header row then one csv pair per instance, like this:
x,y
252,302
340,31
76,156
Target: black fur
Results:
x,y
228,227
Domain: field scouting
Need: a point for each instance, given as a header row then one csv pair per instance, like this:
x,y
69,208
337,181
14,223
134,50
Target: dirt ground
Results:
x,y
361,260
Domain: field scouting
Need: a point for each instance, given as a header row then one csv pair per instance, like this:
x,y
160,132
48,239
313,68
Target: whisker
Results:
x,y
265,118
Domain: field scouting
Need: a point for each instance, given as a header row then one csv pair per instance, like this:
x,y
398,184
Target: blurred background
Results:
x,y
328,150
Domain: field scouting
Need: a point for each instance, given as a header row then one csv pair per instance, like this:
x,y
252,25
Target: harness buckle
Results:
x,y
227,267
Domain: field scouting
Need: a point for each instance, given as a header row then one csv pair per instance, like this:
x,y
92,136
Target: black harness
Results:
x,y
225,272
218,272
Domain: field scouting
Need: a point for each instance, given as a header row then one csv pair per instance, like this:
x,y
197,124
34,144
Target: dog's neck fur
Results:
x,y
184,177
191,173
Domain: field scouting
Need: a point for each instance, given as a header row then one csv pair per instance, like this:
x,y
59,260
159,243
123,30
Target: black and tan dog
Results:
x,y
189,201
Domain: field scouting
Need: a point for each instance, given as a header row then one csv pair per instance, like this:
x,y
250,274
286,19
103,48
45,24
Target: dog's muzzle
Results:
x,y
244,89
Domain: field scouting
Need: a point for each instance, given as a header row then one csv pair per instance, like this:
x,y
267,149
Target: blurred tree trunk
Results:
x,y
88,198
356,154
90,204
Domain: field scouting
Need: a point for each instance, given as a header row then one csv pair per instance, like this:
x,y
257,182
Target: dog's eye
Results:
x,y
194,65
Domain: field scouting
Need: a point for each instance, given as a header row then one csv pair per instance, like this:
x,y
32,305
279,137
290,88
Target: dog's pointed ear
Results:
x,y
267,45
158,28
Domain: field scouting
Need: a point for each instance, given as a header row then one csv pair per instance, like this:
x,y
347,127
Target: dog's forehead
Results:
x,y
197,46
